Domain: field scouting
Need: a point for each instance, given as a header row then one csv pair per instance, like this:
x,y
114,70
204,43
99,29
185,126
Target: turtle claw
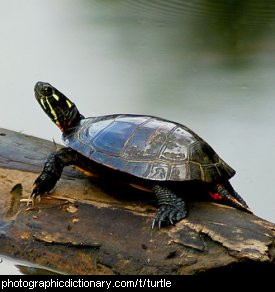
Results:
x,y
156,222
32,199
43,184
168,214
160,216
35,195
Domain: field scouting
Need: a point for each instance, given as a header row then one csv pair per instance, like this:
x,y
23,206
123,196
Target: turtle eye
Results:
x,y
47,90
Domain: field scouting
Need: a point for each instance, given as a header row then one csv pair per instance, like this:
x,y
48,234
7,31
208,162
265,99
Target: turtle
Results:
x,y
148,152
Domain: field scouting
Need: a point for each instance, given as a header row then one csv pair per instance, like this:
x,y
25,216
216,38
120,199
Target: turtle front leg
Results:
x,y
52,171
171,208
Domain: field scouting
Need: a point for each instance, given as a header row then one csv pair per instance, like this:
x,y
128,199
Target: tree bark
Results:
x,y
90,226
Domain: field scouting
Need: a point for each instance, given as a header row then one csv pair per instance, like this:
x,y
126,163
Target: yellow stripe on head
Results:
x,y
42,103
53,113
56,97
69,103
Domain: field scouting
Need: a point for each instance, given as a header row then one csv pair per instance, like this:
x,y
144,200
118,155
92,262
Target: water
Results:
x,y
10,266
207,64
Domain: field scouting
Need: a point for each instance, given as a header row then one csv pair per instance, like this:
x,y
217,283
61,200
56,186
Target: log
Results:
x,y
90,226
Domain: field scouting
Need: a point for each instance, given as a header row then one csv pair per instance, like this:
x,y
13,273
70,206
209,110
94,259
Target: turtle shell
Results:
x,y
147,147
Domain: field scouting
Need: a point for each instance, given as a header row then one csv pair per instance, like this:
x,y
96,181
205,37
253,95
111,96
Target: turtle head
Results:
x,y
57,106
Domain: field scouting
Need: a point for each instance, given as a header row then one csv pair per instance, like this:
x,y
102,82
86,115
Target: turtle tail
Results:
x,y
225,193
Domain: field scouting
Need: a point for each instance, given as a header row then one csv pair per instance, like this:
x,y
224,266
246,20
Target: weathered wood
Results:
x,y
94,227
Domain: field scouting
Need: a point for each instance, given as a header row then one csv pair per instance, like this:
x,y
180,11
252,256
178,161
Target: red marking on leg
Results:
x,y
215,196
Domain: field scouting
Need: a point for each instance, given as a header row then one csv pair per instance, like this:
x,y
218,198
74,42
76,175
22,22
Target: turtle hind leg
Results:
x,y
171,208
52,171
230,196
